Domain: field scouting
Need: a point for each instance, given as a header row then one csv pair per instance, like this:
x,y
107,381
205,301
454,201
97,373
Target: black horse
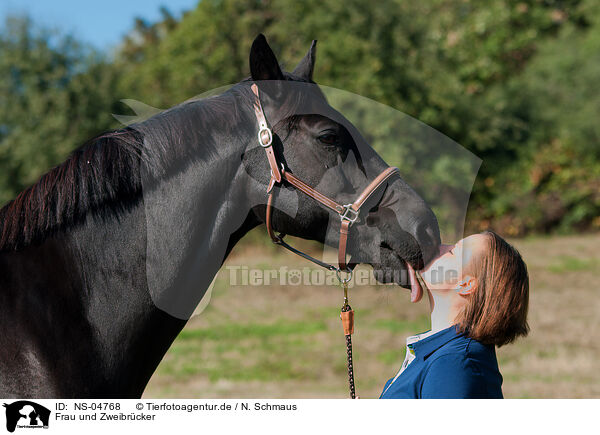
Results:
x,y
104,259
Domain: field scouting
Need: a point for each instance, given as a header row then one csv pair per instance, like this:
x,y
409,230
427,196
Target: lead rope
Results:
x,y
347,317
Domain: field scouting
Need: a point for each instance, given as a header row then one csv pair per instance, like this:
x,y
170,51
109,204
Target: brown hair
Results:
x,y
496,312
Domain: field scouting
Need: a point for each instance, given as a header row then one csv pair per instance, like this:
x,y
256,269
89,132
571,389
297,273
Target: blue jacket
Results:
x,y
448,365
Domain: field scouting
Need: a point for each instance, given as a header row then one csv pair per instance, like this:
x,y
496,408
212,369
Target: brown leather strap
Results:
x,y
347,321
372,187
344,231
301,185
265,136
268,218
278,239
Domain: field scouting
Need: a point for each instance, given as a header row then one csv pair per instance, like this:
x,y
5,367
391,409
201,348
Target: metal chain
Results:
x,y
347,307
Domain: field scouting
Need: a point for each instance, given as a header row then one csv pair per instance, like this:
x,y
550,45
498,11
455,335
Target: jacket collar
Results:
x,y
425,347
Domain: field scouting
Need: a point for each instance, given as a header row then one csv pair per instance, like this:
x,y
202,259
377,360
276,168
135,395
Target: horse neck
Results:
x,y
156,262
193,219
118,287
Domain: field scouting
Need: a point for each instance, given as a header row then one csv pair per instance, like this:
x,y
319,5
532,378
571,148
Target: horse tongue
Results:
x,y
416,292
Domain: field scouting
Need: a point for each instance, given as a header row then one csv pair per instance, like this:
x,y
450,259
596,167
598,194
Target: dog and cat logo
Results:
x,y
26,414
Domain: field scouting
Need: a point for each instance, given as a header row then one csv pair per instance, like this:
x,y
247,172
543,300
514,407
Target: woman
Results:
x,y
478,293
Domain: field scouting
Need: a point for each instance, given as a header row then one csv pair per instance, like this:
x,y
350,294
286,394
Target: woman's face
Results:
x,y
446,270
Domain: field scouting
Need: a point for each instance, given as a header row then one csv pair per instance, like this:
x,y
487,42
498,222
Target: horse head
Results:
x,y
316,143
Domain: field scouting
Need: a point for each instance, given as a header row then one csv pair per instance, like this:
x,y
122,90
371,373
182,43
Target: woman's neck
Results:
x,y
444,308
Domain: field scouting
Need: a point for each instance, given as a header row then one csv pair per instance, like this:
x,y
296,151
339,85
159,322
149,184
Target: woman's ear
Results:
x,y
466,286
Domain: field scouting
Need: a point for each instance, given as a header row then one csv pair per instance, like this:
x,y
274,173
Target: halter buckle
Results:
x,y
269,134
349,214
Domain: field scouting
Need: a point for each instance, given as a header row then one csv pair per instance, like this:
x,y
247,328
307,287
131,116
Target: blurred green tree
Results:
x,y
54,94
554,180
500,77
449,63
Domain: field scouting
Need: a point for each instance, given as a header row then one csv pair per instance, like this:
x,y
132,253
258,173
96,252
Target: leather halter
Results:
x,y
348,213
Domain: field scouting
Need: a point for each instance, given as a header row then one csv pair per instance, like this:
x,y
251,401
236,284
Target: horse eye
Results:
x,y
329,139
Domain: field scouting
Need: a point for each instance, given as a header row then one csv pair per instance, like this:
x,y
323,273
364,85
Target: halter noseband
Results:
x,y
348,213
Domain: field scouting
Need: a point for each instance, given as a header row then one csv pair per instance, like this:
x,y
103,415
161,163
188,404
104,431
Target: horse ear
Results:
x,y
263,63
306,66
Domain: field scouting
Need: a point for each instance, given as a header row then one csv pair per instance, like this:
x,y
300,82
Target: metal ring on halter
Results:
x,y
269,132
343,280
347,211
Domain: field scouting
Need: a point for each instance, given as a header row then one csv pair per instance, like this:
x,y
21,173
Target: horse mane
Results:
x,y
103,175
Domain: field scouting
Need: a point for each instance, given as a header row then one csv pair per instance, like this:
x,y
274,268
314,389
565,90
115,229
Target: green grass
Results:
x,y
573,264
230,346
391,357
421,324
236,331
275,341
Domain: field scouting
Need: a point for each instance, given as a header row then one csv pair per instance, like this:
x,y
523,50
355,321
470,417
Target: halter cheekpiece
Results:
x,y
348,213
